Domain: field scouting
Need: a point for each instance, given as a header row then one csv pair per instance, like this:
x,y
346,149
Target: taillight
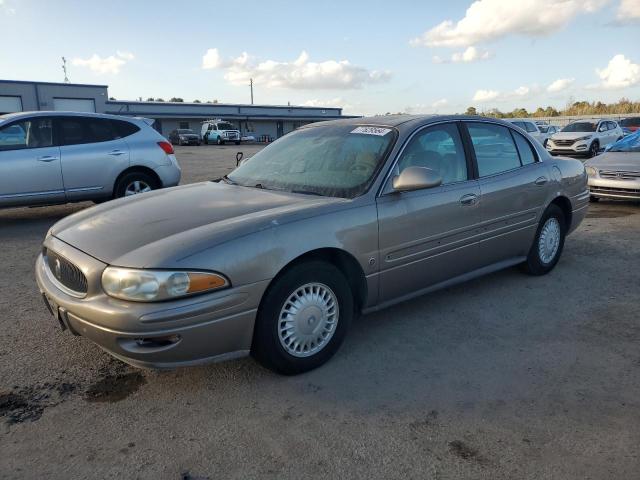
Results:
x,y
167,147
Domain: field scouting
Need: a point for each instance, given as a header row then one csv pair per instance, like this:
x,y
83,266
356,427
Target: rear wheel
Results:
x,y
303,318
548,243
134,183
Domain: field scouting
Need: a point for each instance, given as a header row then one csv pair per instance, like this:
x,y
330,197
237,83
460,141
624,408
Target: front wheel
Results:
x,y
303,318
219,141
548,243
593,149
237,143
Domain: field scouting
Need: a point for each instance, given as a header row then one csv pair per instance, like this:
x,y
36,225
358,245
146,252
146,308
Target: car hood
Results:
x,y
570,135
619,161
156,228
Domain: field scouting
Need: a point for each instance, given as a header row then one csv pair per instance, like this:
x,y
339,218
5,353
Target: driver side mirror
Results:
x,y
416,178
602,128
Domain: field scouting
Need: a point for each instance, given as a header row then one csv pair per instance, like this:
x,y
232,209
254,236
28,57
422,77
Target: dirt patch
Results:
x,y
115,387
27,404
610,213
466,452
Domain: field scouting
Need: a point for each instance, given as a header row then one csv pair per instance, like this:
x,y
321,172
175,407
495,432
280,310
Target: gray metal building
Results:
x,y
257,120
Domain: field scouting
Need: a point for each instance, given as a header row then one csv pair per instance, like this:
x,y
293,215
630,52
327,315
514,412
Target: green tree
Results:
x,y
471,111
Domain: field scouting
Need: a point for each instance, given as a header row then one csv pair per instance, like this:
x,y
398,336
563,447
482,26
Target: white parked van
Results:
x,y
219,132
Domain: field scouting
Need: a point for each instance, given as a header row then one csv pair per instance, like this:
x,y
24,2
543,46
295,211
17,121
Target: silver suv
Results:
x,y
59,157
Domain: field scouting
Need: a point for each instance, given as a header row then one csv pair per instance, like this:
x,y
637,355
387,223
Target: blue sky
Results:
x,y
370,56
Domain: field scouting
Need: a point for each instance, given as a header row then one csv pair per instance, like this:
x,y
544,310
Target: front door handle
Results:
x,y
541,180
116,153
469,199
47,158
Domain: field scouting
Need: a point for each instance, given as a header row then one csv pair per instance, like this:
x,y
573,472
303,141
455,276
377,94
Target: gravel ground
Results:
x,y
507,376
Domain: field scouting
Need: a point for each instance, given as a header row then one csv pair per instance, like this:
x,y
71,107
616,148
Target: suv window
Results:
x,y
123,128
80,130
530,127
494,148
31,133
519,124
527,154
612,125
438,148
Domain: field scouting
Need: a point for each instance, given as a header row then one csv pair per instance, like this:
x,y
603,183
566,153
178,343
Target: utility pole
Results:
x,y
64,69
251,85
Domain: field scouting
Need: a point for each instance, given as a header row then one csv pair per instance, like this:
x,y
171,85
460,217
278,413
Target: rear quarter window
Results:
x,y
124,128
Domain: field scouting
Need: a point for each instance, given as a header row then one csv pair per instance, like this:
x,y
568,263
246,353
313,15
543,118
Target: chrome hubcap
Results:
x,y
549,241
308,320
137,187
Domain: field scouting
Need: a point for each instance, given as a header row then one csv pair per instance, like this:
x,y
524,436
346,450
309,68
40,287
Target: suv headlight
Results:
x,y
592,172
587,137
157,285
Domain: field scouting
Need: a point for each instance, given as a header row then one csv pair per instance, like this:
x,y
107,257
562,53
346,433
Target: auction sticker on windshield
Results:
x,y
371,130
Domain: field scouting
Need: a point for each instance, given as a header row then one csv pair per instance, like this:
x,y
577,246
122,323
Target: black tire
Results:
x,y
206,139
593,149
535,265
129,178
267,348
219,141
237,143
594,199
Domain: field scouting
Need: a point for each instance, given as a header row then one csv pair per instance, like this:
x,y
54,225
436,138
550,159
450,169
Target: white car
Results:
x,y
530,127
584,137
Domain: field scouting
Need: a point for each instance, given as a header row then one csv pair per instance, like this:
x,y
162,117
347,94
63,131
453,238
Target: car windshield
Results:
x,y
630,122
543,128
581,127
185,131
630,143
331,160
225,126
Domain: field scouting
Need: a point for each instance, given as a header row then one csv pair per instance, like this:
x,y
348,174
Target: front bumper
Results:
x,y
577,148
610,188
190,331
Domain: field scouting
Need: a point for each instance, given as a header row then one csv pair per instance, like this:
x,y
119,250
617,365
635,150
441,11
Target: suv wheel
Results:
x,y
219,141
134,183
303,318
548,243
593,149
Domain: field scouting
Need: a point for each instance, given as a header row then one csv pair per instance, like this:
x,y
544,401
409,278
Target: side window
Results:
x,y
527,154
99,130
80,130
438,148
494,148
519,124
124,129
531,128
34,133
71,131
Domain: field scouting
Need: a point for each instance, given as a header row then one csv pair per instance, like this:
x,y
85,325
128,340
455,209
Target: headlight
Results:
x,y
583,138
157,285
592,172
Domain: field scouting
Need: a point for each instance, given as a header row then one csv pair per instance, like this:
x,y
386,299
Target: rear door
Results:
x,y
426,236
93,155
514,188
30,171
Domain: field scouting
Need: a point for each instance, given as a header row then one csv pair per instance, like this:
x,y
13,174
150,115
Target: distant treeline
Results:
x,y
622,107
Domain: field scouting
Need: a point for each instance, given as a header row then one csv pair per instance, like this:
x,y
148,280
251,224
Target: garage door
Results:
x,y
10,104
74,104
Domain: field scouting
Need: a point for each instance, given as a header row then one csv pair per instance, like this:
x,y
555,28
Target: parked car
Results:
x,y
530,127
219,132
631,124
616,173
184,136
64,157
331,220
584,137
548,130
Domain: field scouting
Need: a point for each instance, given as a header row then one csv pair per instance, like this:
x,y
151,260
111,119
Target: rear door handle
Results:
x,y
541,180
469,199
116,153
47,158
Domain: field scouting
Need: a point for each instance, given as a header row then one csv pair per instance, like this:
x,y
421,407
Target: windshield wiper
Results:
x,y
228,180
307,192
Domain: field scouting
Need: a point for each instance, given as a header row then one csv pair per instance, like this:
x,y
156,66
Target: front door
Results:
x,y
514,187
29,164
92,155
426,236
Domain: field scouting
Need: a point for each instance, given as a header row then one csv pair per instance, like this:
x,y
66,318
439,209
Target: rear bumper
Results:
x,y
169,174
171,334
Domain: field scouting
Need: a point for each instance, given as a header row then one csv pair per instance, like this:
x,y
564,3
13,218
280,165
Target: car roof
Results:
x,y
403,121
48,113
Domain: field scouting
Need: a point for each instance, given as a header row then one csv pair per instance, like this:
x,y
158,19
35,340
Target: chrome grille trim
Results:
x,y
66,275
619,175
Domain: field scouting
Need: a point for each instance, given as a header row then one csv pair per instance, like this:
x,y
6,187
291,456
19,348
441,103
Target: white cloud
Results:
x,y
440,103
487,20
619,73
485,95
99,65
628,11
560,84
5,8
211,59
470,54
333,102
298,74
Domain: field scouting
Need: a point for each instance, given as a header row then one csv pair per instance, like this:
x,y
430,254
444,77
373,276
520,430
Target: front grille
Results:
x,y
626,192
65,272
564,143
618,175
